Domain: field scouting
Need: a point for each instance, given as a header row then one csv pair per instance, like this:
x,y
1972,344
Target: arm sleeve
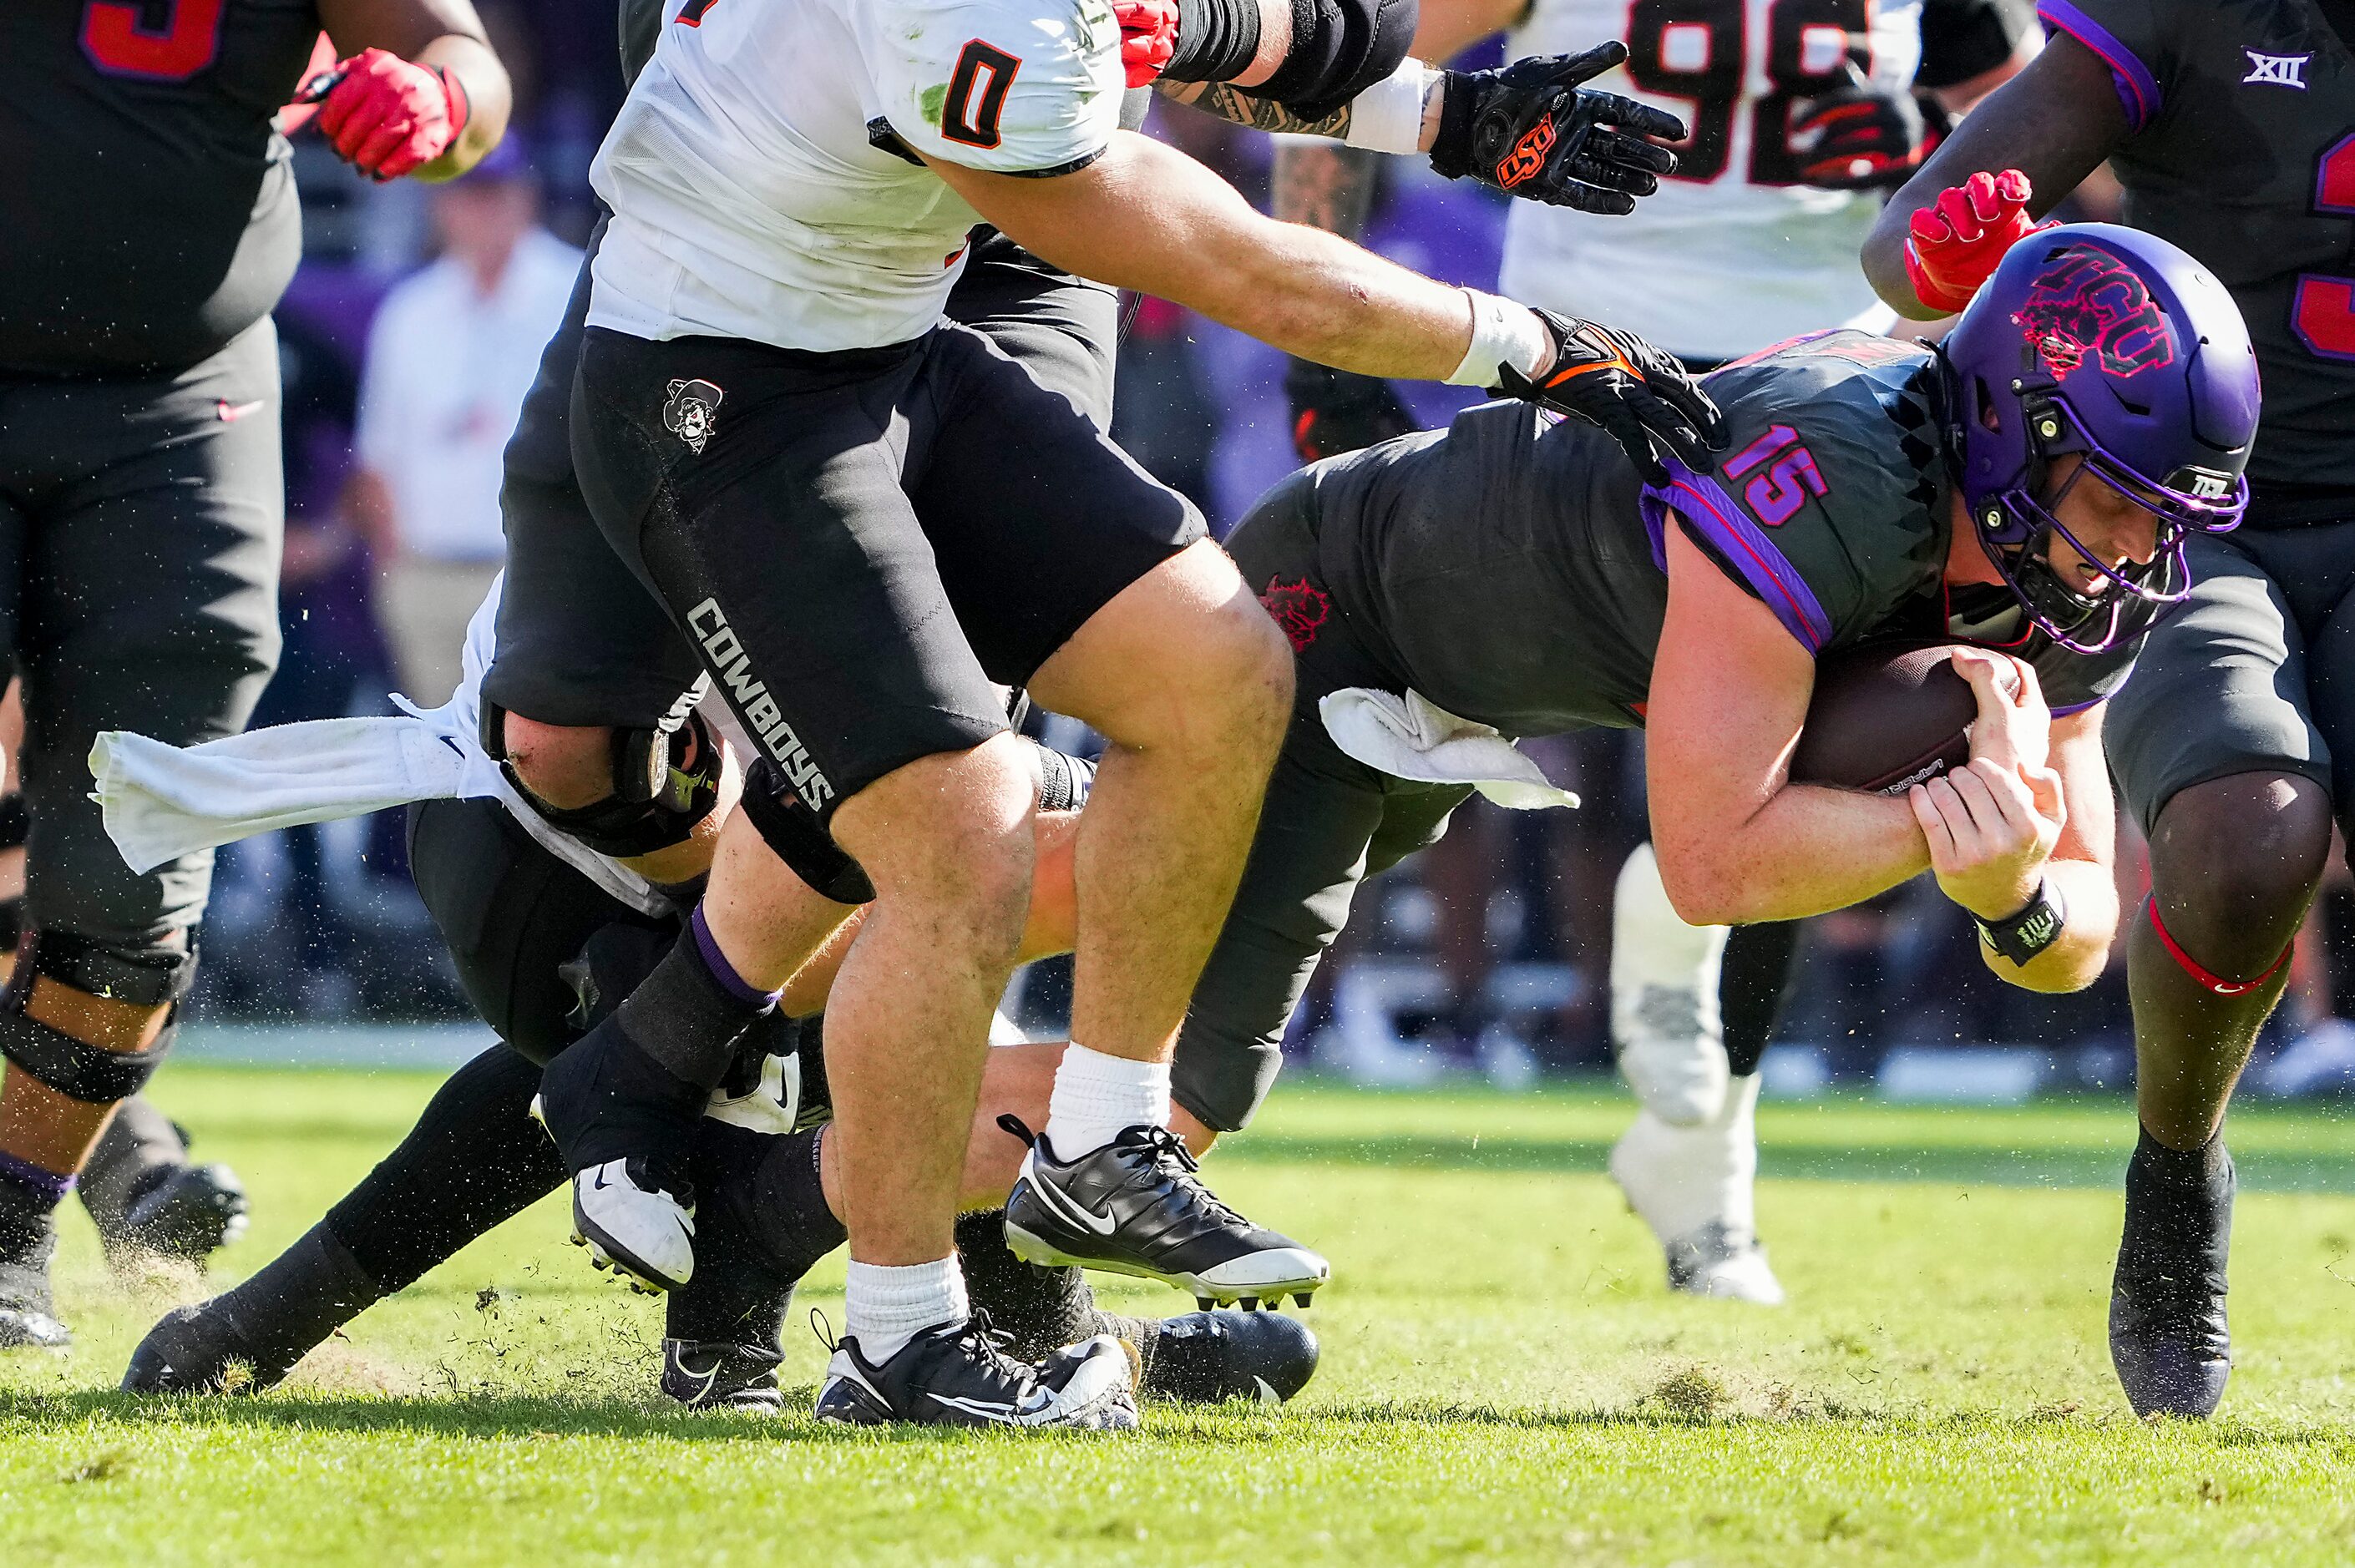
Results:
x,y
996,86
2130,38
1964,38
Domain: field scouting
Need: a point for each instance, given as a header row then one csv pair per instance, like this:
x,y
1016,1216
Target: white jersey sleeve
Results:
x,y
1009,87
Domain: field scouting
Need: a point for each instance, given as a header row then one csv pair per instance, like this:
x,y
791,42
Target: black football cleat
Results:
x,y
28,1312
183,1214
201,1350
706,1374
2168,1337
1204,1358
1136,1207
957,1375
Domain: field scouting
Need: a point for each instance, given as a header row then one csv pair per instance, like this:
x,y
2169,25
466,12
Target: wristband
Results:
x,y
1503,333
2023,936
1388,116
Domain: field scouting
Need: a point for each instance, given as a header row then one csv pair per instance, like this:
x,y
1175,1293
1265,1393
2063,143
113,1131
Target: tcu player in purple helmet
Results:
x,y
1800,114
2228,128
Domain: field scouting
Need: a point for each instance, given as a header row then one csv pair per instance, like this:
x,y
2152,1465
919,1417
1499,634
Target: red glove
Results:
x,y
1956,242
386,115
1148,36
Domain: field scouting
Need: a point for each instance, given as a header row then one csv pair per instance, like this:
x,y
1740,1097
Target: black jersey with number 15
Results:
x,y
147,208
2242,151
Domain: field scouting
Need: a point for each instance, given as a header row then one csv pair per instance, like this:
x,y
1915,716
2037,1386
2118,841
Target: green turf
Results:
x,y
1505,1379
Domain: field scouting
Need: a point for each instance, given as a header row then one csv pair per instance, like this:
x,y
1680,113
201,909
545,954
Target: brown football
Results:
x,y
1885,716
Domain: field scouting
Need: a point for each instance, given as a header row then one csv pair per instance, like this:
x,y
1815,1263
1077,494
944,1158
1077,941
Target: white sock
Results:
x,y
883,1307
1681,1178
1097,1098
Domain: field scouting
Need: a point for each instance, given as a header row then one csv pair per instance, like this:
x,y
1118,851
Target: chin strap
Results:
x,y
2208,979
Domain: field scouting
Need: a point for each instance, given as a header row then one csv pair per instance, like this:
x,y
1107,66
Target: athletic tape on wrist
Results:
x,y
2208,979
1388,116
1503,333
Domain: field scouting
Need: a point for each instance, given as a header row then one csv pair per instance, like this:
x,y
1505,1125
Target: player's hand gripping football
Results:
x,y
1529,130
1993,822
387,116
1864,135
1336,411
1955,243
1644,397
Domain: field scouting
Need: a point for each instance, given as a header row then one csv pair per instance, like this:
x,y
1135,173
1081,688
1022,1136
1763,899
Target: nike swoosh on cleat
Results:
x,y
711,1377
1071,1209
1267,1394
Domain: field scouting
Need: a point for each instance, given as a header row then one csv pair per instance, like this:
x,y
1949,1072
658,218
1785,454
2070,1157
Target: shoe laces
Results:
x,y
665,1172
1172,1158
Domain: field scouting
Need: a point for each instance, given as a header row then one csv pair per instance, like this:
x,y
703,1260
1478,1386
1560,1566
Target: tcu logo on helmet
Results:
x,y
690,413
1299,608
2090,301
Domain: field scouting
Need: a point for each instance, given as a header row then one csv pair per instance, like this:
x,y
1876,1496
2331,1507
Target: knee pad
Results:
x,y
664,781
792,831
1339,49
150,975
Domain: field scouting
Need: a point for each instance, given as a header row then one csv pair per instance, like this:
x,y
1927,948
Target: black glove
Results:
x,y
1336,411
1615,379
1861,137
1528,130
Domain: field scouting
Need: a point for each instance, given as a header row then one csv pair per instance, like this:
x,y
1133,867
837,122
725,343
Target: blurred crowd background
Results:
x,y
410,338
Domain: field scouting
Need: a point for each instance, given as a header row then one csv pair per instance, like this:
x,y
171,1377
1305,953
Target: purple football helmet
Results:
x,y
2112,344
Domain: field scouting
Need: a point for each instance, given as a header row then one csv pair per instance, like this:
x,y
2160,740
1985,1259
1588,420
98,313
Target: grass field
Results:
x,y
1506,1378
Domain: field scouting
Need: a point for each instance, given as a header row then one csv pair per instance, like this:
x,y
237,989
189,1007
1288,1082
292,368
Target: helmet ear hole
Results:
x,y
1990,417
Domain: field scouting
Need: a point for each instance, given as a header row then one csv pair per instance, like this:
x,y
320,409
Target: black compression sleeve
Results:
x,y
1217,41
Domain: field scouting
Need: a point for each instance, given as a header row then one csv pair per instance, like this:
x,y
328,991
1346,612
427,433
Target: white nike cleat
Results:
x,y
631,1224
1693,1186
1664,999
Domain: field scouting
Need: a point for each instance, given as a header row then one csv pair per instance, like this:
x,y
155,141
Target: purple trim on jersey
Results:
x,y
1701,502
2065,709
46,1186
2137,89
723,971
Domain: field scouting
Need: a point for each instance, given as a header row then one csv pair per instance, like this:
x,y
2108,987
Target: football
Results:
x,y
1885,716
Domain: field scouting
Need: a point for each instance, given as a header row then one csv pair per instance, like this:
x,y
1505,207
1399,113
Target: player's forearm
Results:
x,y
1147,217
1806,851
2088,891
489,99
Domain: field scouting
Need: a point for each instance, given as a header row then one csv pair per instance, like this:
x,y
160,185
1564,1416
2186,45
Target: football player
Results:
x,y
792,183
583,650
1800,114
2228,127
150,226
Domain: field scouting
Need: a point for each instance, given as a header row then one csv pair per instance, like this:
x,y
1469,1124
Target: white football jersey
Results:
x,y
1733,253
756,190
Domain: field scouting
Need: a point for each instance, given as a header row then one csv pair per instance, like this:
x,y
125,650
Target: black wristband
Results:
x,y
2021,936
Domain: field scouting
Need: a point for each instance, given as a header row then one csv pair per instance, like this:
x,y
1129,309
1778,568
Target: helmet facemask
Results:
x,y
2018,525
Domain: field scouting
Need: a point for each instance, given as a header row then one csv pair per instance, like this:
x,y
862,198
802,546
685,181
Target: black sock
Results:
x,y
1752,984
29,1196
299,1297
687,1015
139,1148
757,1239
2179,1207
475,1158
1043,1309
